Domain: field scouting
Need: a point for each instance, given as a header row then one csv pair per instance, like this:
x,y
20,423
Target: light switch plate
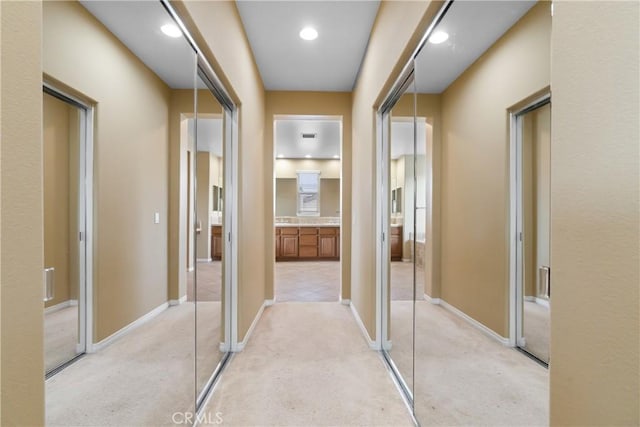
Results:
x,y
156,218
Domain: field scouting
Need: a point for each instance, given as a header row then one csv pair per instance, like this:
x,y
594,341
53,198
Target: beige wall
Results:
x,y
475,174
397,29
131,177
217,28
312,103
287,168
21,214
329,197
203,199
595,187
536,141
56,150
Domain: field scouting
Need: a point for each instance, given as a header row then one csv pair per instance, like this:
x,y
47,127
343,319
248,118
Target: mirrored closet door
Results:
x,y
156,173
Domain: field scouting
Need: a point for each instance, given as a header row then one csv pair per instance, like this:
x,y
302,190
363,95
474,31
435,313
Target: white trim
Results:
x,y
92,348
269,302
240,346
473,322
372,344
204,260
543,302
190,269
434,301
232,218
345,301
60,306
174,302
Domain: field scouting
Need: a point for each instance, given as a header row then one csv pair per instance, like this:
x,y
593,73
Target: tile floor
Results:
x,y
307,281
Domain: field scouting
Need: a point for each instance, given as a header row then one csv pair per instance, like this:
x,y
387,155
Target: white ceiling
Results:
x,y
290,144
329,63
137,25
209,135
402,137
473,26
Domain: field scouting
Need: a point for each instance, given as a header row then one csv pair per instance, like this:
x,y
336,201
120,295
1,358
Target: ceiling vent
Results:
x,y
308,135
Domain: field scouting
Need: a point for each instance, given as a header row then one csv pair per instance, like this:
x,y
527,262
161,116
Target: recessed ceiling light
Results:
x,y
308,156
308,33
336,156
438,37
171,30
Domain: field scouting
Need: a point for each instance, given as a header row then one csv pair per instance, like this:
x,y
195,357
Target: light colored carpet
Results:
x,y
463,377
142,378
209,281
307,281
535,329
307,364
401,276
60,336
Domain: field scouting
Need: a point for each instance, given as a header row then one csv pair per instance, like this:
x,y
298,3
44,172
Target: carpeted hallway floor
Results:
x,y
307,364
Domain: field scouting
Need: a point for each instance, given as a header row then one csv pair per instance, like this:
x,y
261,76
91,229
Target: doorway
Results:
x,y
532,296
307,199
67,174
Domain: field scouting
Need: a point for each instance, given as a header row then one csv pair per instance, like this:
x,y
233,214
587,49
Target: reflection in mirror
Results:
x,y
402,234
139,85
495,56
534,306
207,130
64,321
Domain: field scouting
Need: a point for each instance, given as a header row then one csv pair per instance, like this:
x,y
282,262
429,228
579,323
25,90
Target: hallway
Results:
x,y
309,365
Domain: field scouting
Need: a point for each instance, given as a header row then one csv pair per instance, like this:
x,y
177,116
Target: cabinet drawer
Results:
x,y
307,240
396,231
291,231
278,231
308,230
308,251
328,231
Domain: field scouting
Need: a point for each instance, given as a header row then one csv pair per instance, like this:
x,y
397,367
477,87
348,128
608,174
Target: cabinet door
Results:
x,y
396,247
327,247
289,246
216,242
278,253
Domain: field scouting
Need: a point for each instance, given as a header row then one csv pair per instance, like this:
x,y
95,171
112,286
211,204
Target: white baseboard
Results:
x,y
473,322
543,302
268,302
92,348
179,301
204,260
240,346
530,298
434,301
372,344
224,347
387,345
190,269
345,301
61,306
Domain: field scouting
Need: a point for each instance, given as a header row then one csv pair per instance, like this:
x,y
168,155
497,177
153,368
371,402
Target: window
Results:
x,y
308,193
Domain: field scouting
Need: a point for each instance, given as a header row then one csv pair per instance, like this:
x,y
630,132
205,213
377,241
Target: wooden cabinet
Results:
x,y
328,242
395,240
216,242
307,243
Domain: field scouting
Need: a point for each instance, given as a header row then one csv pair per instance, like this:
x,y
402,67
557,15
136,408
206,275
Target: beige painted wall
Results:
x,y
203,199
475,172
58,203
595,208
131,157
21,214
536,140
329,197
217,28
312,103
287,168
397,29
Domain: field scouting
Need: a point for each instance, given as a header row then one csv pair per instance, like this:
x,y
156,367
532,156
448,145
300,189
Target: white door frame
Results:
x,y
515,217
85,215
